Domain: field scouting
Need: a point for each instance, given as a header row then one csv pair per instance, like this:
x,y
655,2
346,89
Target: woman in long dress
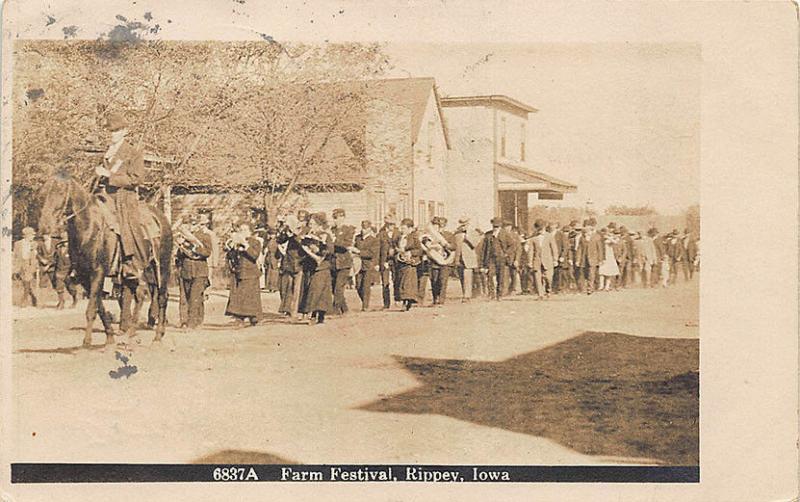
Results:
x,y
608,267
318,244
409,256
244,301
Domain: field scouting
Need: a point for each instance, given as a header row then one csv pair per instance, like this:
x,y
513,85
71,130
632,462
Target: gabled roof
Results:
x,y
489,100
410,93
527,174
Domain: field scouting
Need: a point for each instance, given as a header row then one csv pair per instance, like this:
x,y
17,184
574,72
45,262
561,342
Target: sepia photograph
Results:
x,y
279,259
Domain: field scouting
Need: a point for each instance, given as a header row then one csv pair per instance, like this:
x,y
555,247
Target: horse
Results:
x,y
92,244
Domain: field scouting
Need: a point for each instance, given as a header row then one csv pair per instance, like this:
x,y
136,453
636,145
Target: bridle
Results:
x,y
67,200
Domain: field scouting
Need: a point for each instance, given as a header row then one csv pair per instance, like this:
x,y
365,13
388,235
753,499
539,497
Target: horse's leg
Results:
x,y
152,311
92,307
105,317
139,298
162,294
128,295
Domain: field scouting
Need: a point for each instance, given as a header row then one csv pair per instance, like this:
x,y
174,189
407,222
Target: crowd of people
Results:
x,y
311,260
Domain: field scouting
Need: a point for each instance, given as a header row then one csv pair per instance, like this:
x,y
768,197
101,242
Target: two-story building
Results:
x,y
406,156
489,165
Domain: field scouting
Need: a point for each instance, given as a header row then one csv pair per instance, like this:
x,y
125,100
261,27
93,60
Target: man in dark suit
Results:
x,y
589,253
690,244
441,273
192,261
386,239
368,247
565,259
661,270
496,249
626,260
61,274
514,256
344,236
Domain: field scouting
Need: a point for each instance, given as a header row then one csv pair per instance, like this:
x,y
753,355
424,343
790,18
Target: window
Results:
x,y
405,205
522,142
502,136
421,212
440,209
431,211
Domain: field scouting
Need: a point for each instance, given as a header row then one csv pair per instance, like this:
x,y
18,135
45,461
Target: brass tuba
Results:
x,y
436,247
187,242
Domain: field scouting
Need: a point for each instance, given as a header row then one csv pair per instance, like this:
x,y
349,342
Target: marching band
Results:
x,y
311,262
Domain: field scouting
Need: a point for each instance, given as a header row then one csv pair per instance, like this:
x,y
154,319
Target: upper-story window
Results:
x,y
502,136
522,142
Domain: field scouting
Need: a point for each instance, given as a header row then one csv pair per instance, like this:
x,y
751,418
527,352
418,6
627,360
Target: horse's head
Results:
x,y
56,198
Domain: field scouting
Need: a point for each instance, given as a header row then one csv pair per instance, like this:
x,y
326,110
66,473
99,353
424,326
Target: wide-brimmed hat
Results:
x,y
463,220
497,221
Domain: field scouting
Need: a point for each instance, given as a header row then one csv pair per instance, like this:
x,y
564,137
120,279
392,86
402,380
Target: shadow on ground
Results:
x,y
607,394
73,350
241,457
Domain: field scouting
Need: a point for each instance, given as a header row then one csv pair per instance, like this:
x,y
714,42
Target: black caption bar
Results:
x,y
158,473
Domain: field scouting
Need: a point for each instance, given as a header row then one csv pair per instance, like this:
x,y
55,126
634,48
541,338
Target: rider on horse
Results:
x,y
121,173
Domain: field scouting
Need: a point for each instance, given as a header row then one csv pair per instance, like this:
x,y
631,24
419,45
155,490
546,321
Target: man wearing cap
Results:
x,y
441,273
466,259
192,263
122,171
495,252
344,236
369,250
387,237
24,257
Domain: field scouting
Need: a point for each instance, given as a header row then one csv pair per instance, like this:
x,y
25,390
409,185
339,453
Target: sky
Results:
x,y
620,120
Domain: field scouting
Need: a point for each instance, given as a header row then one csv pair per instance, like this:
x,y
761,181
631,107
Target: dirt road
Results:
x,y
511,382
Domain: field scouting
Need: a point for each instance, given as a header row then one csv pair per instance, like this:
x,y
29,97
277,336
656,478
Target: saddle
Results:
x,y
150,225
